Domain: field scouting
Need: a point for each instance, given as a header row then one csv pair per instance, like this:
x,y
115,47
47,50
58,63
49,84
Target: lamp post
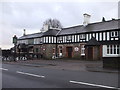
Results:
x,y
15,43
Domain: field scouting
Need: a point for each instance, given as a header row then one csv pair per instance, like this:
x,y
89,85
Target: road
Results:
x,y
17,76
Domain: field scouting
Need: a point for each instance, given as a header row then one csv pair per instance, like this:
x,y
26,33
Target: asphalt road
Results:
x,y
17,76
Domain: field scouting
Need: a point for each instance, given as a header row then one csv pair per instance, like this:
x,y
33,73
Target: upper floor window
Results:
x,y
114,33
68,38
36,41
31,41
82,36
60,38
41,40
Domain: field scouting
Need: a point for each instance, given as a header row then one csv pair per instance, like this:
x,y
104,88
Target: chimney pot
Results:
x,y
24,32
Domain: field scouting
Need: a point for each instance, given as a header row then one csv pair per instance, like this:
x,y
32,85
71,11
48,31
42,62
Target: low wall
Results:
x,y
111,62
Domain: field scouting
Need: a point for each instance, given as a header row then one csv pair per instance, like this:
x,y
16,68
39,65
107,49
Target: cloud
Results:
x,y
15,16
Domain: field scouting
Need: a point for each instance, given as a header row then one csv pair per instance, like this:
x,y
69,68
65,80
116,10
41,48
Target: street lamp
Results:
x,y
15,43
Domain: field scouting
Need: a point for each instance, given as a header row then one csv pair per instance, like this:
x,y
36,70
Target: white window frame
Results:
x,y
109,52
113,33
82,50
68,38
82,36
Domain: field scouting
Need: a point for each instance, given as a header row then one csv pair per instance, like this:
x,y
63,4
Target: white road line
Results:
x,y
4,69
90,84
30,74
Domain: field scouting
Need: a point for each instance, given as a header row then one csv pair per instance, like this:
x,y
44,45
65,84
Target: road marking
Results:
x,y
4,69
30,74
90,84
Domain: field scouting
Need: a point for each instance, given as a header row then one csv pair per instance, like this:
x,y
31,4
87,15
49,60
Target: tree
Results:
x,y
54,23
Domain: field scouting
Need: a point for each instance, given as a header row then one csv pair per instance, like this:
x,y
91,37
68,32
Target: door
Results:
x,y
90,53
69,52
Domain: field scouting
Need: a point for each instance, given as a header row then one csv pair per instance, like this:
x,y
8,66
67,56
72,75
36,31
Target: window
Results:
x,y
82,36
118,49
60,38
108,49
113,49
68,38
60,51
82,50
36,41
114,34
41,40
37,50
31,41
53,50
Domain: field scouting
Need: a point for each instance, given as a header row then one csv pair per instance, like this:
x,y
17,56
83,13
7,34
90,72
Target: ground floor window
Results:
x,y
113,49
60,51
53,50
82,50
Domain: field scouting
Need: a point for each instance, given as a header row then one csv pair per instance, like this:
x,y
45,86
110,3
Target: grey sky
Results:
x,y
16,16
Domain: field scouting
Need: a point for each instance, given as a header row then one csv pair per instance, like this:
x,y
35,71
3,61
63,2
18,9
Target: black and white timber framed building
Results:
x,y
88,41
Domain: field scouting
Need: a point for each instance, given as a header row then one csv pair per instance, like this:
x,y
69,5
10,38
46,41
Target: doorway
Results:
x,y
90,53
69,52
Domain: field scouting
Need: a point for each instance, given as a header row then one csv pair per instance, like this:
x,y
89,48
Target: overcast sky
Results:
x,y
15,16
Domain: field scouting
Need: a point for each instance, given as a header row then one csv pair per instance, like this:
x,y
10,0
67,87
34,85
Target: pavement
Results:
x,y
76,65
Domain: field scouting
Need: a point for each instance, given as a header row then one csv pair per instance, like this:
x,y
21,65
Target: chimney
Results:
x,y
24,32
103,19
86,19
45,28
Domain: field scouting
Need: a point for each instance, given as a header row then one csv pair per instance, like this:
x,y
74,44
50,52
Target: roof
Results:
x,y
92,27
51,32
29,36
92,42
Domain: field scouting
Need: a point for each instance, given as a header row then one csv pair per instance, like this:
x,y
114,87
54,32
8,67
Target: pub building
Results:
x,y
90,41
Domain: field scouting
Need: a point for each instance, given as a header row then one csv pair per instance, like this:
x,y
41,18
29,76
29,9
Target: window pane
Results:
x,y
114,49
118,49
108,49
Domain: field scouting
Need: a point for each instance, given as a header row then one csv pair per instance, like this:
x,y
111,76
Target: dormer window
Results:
x,y
114,34
82,36
68,38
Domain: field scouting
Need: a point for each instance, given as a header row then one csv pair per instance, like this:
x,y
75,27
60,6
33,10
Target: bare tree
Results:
x,y
54,23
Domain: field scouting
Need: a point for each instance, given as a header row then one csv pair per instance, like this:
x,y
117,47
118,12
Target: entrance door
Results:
x,y
90,53
69,52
